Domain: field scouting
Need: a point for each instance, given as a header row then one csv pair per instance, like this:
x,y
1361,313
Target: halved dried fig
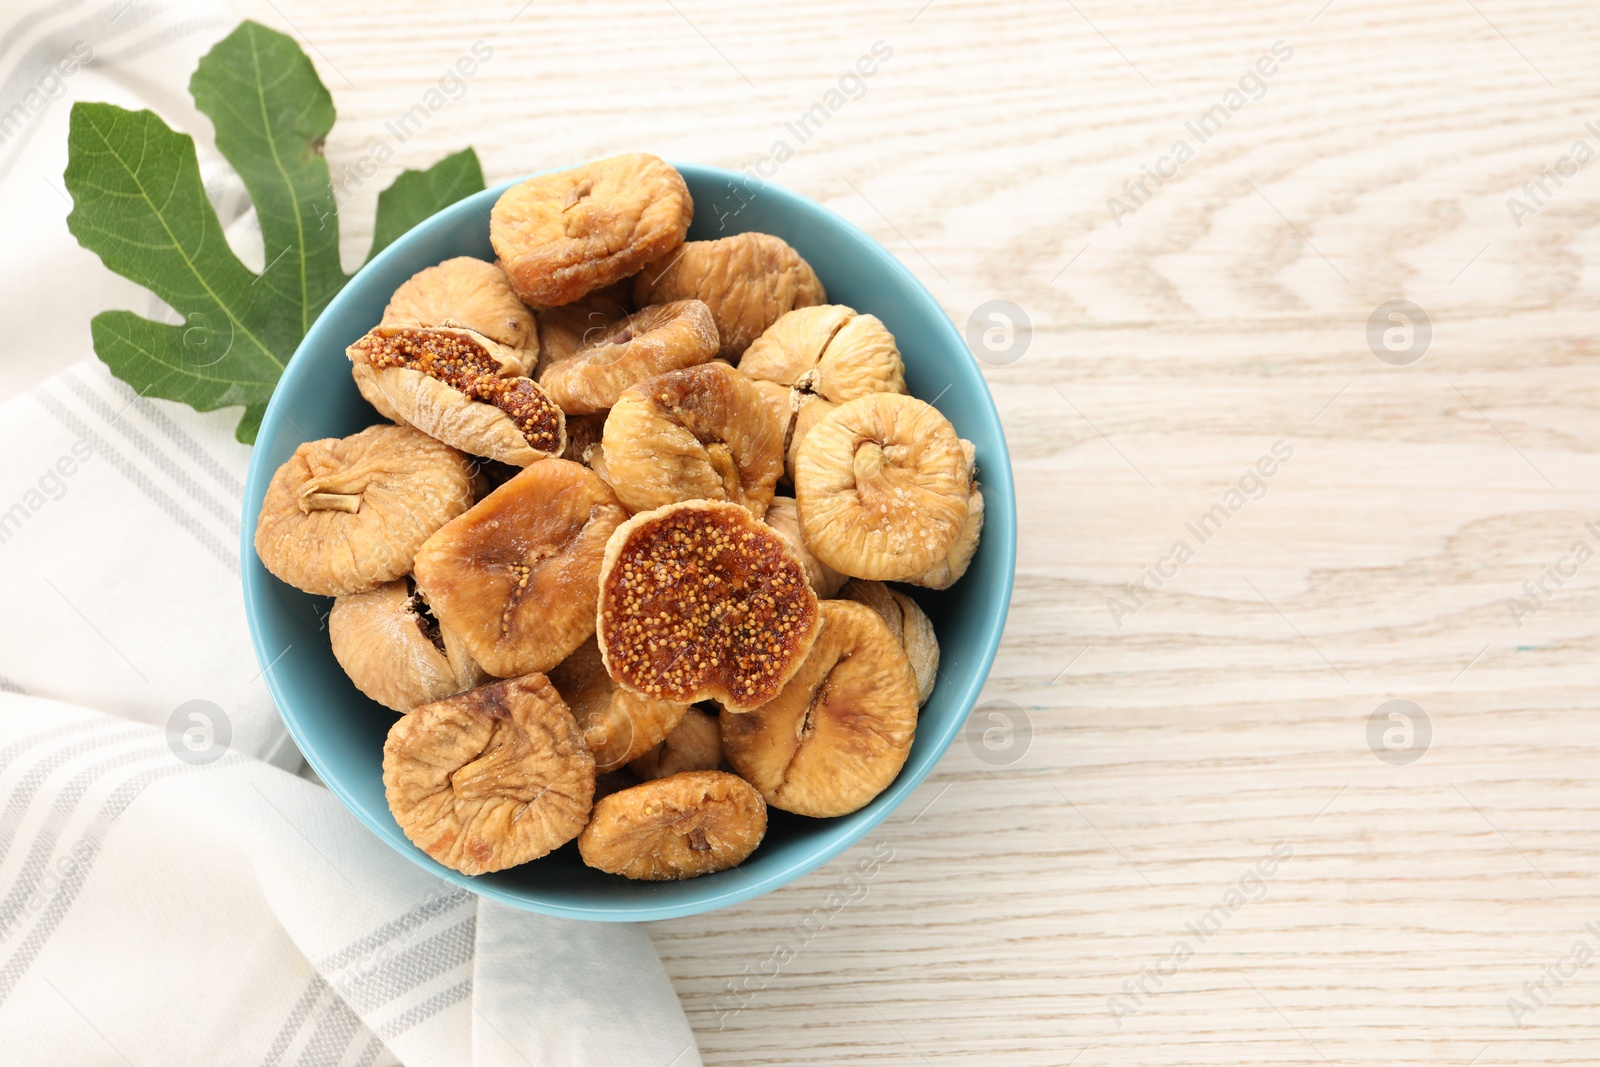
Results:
x,y
660,338
748,281
395,651
703,433
882,485
618,725
560,236
910,626
690,824
517,576
491,778
462,388
346,515
840,731
700,600
473,295
784,517
564,330
695,744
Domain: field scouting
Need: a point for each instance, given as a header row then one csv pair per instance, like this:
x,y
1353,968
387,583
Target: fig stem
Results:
x,y
347,502
868,462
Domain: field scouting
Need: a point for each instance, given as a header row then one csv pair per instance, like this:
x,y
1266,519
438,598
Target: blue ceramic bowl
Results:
x,y
341,732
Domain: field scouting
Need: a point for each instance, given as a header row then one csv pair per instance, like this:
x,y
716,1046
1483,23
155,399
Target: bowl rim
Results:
x,y
999,522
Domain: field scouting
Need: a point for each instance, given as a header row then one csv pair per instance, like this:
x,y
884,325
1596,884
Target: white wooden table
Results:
x,y
1030,908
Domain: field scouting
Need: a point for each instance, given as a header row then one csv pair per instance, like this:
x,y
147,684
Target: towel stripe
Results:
x,y
19,962
297,1018
65,804
21,797
227,515
16,748
430,908
152,413
411,968
370,1053
227,556
410,1020
335,1032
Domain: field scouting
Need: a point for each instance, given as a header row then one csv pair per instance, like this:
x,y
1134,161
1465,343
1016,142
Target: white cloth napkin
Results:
x,y
170,890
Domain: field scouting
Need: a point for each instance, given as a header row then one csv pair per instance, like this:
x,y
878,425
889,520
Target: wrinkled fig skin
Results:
x,y
910,626
701,601
366,380
561,236
823,356
460,387
841,729
517,576
396,654
784,516
690,824
949,570
346,515
882,484
473,295
695,744
618,726
491,778
749,281
661,338
564,330
829,350
704,433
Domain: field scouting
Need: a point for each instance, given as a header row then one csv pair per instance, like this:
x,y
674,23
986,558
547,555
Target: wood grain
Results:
x,y
1171,753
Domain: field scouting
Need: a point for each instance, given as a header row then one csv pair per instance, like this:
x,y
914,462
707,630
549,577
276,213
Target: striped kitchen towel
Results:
x,y
174,888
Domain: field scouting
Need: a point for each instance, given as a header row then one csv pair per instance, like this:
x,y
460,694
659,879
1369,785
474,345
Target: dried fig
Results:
x,y
517,576
695,744
831,351
661,338
882,485
825,355
778,400
491,778
617,725
564,330
699,601
748,281
473,295
910,626
346,515
366,380
560,236
687,825
395,651
808,411
462,388
947,571
703,433
784,517
840,731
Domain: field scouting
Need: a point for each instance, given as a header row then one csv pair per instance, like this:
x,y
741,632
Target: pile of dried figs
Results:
x,y
565,560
